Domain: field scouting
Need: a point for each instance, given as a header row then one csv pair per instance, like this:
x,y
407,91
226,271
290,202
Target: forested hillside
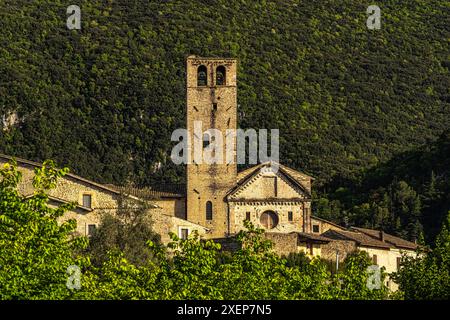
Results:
x,y
408,196
105,99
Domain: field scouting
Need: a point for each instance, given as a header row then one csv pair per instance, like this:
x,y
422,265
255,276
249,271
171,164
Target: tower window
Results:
x,y
209,210
247,216
202,76
220,76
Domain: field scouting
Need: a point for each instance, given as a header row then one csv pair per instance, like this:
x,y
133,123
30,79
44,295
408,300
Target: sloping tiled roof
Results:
x,y
312,237
155,192
300,176
297,175
242,175
329,222
396,241
59,200
360,238
73,176
160,191
301,236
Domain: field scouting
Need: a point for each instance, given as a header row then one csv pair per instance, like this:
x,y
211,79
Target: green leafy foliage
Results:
x,y
352,282
127,231
427,276
35,251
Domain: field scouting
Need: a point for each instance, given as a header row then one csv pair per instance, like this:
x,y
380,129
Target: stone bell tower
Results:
x,y
211,105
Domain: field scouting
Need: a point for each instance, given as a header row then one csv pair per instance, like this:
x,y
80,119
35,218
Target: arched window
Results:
x,y
269,219
209,210
220,76
202,76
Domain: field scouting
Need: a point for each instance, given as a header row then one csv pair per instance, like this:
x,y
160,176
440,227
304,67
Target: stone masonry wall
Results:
x,y
239,210
342,246
216,108
284,243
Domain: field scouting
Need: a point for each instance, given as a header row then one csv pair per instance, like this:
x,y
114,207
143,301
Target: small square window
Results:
x,y
290,216
247,216
184,233
87,200
316,228
91,229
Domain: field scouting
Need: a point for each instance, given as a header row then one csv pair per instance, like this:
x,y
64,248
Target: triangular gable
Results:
x,y
263,184
297,175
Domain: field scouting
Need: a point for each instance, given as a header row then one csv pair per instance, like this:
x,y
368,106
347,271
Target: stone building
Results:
x,y
384,249
217,196
93,199
217,199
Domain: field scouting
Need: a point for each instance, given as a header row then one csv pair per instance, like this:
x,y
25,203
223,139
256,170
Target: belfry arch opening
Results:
x,y
221,76
202,76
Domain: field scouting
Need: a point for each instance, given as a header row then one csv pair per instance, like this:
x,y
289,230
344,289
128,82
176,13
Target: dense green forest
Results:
x,y
354,106
409,195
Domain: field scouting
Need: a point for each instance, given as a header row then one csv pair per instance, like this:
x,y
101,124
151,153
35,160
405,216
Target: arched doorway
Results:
x,y
269,219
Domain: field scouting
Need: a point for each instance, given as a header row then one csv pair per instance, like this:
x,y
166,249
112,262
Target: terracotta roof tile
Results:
x,y
312,236
7,158
299,176
154,192
296,177
329,222
396,241
360,238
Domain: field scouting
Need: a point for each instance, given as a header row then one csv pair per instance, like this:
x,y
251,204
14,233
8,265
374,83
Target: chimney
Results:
x,y
381,235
